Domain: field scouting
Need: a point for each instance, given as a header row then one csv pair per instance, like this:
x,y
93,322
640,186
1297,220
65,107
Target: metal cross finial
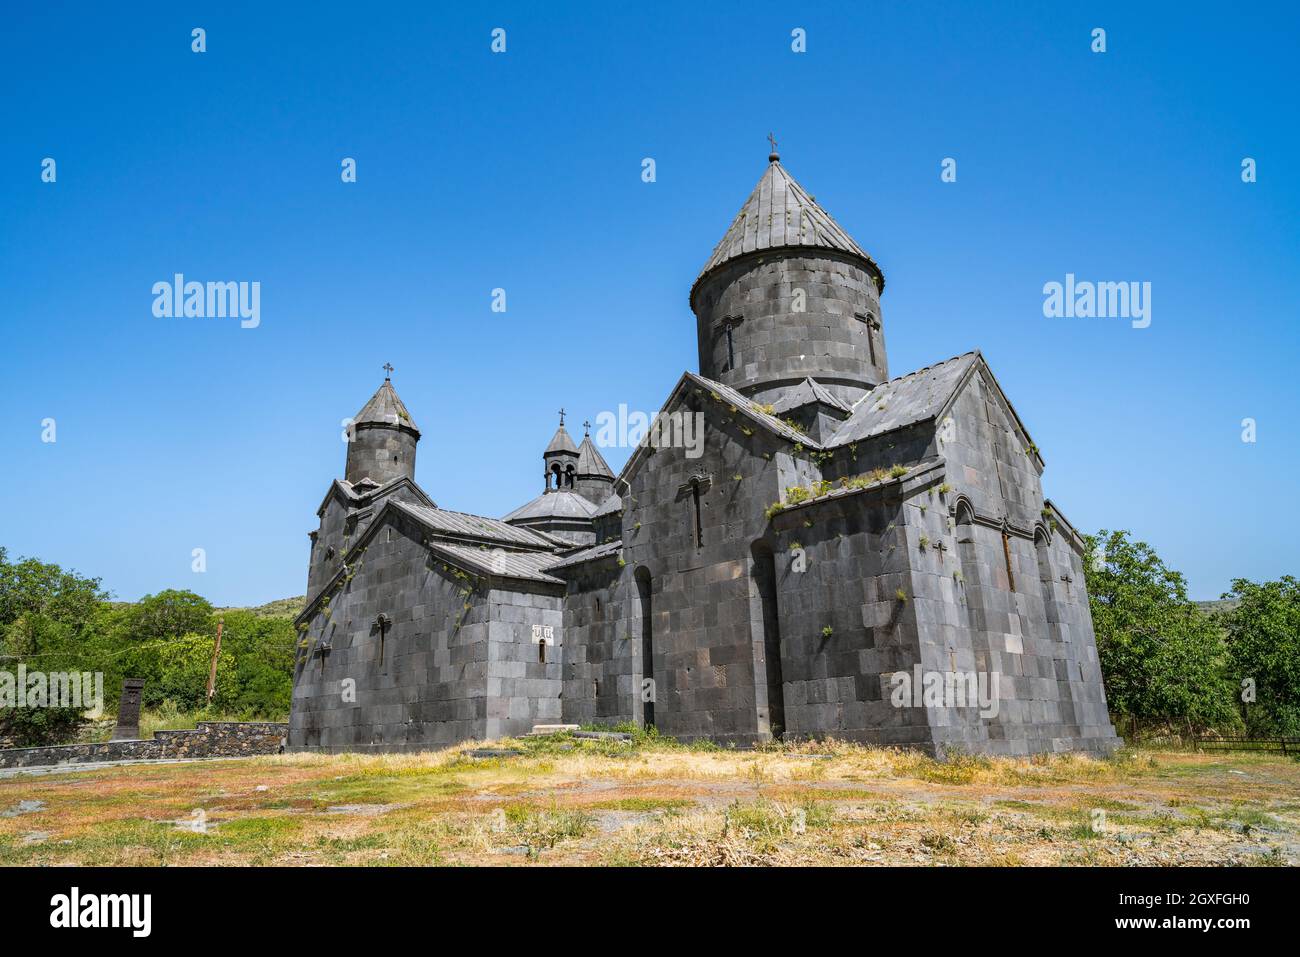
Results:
x,y
587,428
388,369
561,416
772,139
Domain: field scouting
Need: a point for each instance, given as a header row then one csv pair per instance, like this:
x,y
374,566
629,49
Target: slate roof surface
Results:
x,y
385,408
904,401
464,525
744,405
590,461
357,499
561,442
611,506
779,213
805,393
561,504
498,561
587,554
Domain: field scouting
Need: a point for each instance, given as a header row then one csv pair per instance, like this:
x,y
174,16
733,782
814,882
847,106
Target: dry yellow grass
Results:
x,y
574,802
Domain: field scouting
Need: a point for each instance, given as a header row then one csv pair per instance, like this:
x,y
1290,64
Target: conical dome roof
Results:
x,y
385,408
591,462
779,214
562,504
561,442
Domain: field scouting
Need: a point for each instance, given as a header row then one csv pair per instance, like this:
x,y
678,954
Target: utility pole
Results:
x,y
216,650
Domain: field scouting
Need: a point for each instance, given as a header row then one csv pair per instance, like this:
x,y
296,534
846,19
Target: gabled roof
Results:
x,y
591,462
745,406
561,442
499,562
805,393
354,499
604,550
923,395
561,504
779,214
730,403
905,401
385,408
477,528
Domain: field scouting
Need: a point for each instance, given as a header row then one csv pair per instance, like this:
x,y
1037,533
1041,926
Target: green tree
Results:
x,y
1264,644
184,666
1165,662
168,614
263,648
47,616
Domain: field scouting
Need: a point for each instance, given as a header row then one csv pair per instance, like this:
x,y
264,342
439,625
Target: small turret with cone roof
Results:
x,y
594,479
382,439
561,458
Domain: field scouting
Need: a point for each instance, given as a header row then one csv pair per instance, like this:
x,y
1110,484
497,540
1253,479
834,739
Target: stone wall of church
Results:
x,y
987,462
340,528
848,619
1010,604
703,646
429,687
526,647
601,650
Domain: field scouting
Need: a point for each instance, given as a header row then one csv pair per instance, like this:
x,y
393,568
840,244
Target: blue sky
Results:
x,y
522,171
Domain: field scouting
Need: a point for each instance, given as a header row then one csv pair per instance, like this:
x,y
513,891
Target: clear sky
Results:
x,y
522,171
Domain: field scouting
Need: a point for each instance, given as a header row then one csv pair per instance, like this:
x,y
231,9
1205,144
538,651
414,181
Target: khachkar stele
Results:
x,y
846,554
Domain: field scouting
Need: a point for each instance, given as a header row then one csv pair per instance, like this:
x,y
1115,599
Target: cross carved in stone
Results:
x,y
320,651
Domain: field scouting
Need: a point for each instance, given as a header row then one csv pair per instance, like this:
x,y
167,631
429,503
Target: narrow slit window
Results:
x,y
699,524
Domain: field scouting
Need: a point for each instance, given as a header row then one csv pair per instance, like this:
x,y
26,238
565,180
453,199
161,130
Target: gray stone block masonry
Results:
x,y
209,739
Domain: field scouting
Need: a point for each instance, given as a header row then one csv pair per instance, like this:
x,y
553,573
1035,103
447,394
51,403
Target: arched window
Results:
x,y
568,475
967,550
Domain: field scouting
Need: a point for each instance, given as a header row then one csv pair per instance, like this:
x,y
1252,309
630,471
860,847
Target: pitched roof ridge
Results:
x,y
747,404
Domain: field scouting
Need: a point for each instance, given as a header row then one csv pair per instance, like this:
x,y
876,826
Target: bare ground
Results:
x,y
566,801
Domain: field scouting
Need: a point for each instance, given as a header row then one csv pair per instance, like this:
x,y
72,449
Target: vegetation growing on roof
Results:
x,y
798,494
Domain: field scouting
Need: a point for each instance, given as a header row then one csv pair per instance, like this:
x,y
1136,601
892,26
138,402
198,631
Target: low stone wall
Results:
x,y
211,739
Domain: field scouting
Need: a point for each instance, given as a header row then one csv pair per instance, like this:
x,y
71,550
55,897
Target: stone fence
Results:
x,y
211,739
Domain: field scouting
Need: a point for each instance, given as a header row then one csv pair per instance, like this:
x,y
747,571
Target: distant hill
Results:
x,y
1221,604
280,608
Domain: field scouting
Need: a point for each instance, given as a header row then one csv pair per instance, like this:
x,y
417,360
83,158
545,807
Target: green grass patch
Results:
x,y
641,804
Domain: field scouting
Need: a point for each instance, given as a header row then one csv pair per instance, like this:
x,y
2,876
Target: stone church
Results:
x,y
845,555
